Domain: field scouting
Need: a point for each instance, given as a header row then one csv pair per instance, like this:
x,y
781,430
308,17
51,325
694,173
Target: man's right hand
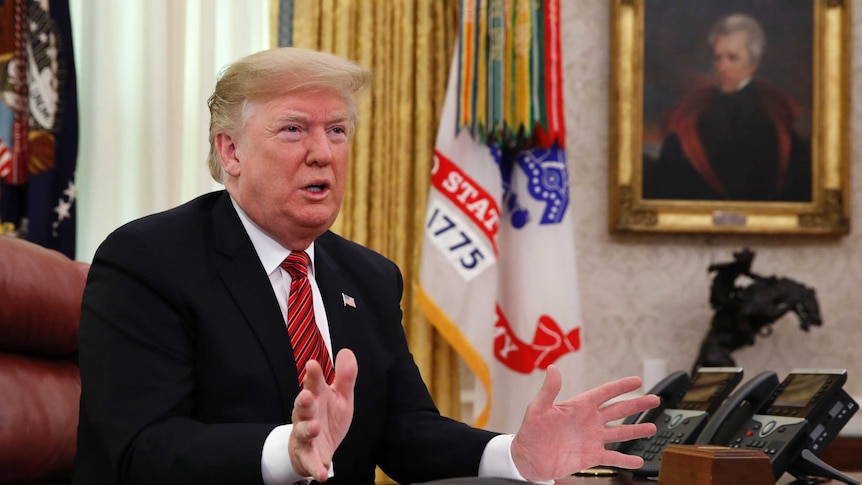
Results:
x,y
321,416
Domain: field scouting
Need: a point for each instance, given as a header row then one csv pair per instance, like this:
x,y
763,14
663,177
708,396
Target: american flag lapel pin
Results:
x,y
348,300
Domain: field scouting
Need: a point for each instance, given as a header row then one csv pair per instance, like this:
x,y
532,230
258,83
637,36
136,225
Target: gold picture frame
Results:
x,y
827,208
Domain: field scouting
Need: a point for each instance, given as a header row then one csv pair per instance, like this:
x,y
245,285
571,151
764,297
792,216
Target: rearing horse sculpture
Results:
x,y
743,313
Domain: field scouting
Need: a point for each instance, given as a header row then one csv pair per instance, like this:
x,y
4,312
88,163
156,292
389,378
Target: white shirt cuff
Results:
x,y
275,466
497,460
275,463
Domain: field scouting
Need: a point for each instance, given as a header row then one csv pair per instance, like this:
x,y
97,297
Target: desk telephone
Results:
x,y
686,405
792,421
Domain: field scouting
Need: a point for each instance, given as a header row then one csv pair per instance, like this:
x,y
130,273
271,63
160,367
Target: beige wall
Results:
x,y
646,296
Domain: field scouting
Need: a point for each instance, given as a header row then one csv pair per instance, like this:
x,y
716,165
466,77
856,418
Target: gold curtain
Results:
x,y
408,44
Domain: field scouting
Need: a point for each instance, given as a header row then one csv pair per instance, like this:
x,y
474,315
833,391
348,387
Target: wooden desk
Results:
x,y
619,479
627,479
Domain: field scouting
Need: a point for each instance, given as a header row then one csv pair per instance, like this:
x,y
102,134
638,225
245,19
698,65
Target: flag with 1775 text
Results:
x,y
498,273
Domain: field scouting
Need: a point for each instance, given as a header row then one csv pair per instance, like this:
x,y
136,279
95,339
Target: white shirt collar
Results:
x,y
270,252
743,84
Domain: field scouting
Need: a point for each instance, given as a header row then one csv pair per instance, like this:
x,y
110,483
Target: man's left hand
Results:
x,y
556,440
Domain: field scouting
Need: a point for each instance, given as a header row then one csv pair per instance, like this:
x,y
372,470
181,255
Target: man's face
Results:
x,y
731,61
288,164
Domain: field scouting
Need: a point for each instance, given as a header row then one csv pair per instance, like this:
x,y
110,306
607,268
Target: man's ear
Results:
x,y
226,148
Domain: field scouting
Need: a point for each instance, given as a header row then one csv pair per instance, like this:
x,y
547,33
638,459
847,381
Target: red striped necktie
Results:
x,y
305,337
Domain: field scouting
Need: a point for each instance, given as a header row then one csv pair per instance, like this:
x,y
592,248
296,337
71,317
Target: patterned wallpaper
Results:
x,y
647,296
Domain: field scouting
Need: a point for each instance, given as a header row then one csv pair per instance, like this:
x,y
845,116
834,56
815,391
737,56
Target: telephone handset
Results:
x,y
670,391
738,409
798,420
681,418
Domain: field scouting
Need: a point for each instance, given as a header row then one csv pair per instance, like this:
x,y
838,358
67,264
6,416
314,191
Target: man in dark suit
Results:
x,y
188,372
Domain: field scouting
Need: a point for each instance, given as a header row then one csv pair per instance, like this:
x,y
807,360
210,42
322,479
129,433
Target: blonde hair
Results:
x,y
278,72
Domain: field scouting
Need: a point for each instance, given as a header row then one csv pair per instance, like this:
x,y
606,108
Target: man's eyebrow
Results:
x,y
335,117
293,117
338,117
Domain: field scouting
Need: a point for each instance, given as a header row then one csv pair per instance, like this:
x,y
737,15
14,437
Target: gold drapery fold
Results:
x,y
408,44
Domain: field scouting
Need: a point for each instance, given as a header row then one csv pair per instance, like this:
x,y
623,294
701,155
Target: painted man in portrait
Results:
x,y
733,140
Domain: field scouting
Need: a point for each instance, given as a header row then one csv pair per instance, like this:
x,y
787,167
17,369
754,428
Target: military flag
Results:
x,y
498,273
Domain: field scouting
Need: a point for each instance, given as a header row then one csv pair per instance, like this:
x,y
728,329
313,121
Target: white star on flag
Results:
x,y
71,191
63,210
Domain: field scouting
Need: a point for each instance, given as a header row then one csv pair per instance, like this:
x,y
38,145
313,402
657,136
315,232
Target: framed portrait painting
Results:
x,y
730,116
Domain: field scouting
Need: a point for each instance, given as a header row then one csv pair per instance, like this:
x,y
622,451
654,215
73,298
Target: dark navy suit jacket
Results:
x,y
186,364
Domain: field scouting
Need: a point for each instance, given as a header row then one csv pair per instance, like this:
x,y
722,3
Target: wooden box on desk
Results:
x,y
714,465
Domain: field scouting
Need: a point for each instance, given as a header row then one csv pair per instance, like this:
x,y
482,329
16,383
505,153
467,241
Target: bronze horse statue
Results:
x,y
744,312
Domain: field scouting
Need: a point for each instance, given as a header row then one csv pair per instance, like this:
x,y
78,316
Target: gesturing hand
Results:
x,y
556,440
321,416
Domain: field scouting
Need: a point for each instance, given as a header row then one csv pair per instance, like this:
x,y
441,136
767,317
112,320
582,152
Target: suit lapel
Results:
x,y
241,272
334,284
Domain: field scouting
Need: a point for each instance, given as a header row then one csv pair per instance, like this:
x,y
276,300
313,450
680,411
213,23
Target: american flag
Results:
x,y
37,185
5,160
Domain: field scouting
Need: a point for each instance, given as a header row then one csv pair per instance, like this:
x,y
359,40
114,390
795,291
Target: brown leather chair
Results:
x,y
40,384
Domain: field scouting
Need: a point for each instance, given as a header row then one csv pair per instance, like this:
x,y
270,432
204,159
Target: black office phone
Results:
x,y
669,390
680,422
746,400
801,417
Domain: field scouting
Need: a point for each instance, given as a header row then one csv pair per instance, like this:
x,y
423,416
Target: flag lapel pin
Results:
x,y
348,300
